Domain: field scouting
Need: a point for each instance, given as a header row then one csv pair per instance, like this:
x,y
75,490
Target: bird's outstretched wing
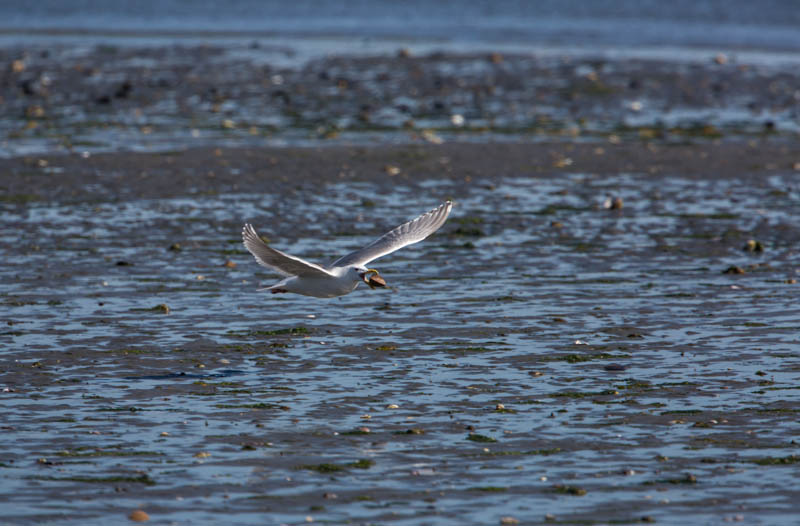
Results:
x,y
277,260
406,234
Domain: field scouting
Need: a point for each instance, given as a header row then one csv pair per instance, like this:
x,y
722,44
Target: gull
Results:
x,y
343,275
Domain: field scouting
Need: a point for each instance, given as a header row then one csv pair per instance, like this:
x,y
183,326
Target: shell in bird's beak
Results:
x,y
373,279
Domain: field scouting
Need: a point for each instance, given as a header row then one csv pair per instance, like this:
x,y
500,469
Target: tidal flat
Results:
x,y
612,339
606,331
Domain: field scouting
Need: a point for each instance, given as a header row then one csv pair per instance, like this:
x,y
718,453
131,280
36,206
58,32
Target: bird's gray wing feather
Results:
x,y
276,260
406,234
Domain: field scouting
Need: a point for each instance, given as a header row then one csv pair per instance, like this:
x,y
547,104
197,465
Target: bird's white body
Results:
x,y
343,275
347,279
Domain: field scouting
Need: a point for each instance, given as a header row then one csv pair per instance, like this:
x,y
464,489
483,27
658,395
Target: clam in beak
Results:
x,y
373,279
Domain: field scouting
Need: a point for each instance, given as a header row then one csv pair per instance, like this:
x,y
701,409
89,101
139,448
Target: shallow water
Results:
x,y
546,355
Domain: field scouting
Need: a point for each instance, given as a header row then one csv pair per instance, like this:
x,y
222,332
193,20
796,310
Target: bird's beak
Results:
x,y
372,278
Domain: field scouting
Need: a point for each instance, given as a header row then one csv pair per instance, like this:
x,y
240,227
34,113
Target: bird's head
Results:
x,y
371,277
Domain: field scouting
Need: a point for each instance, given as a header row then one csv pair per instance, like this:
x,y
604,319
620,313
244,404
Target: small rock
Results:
x,y
614,367
613,203
733,269
509,521
162,308
721,58
229,264
753,246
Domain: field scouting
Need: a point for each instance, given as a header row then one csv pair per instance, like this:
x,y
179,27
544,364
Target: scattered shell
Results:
x,y
229,264
202,454
139,516
499,407
613,203
457,119
509,521
721,58
164,434
392,406
431,137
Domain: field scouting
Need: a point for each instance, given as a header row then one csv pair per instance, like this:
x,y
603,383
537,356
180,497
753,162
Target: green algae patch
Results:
x,y
361,464
686,479
532,452
475,437
140,479
776,461
563,489
328,467
79,453
291,331
325,467
258,405
489,489
575,394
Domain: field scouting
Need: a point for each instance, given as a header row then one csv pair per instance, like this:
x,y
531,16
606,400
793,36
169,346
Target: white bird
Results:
x,y
343,275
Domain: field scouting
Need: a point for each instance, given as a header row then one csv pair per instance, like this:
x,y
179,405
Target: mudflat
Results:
x,y
605,331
